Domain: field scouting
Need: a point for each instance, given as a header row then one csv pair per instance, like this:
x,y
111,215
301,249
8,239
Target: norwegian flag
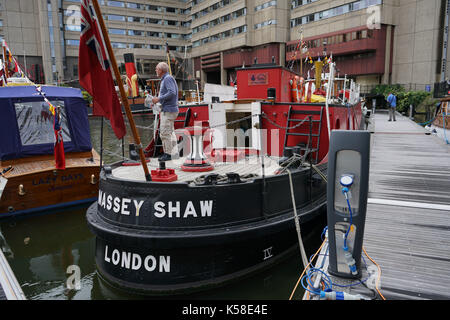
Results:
x,y
94,70
60,158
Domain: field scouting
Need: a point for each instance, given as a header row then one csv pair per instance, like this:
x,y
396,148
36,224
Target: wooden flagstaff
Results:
x,y
123,95
168,57
5,61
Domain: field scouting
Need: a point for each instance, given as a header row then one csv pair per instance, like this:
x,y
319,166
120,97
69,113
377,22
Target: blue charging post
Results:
x,y
347,189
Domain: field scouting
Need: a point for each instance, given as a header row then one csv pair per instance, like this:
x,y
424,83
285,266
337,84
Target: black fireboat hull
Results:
x,y
180,257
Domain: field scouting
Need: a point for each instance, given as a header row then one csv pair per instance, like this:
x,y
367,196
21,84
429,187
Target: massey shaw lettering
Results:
x,y
119,205
160,209
173,209
134,261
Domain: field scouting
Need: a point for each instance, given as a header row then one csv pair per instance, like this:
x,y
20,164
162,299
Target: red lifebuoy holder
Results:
x,y
196,161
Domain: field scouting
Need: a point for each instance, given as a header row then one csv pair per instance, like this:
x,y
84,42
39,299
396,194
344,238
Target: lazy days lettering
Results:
x,y
170,209
54,182
52,179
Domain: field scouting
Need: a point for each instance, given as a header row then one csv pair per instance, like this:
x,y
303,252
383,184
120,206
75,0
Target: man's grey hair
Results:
x,y
164,67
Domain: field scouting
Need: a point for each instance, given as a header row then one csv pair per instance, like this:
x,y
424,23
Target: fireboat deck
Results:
x,y
244,167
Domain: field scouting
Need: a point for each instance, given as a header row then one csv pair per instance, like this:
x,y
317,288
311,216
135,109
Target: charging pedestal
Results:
x,y
347,188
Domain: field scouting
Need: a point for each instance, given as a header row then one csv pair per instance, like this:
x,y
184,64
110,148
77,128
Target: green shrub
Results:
x,y
404,98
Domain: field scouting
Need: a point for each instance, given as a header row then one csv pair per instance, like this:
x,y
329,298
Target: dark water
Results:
x,y
40,249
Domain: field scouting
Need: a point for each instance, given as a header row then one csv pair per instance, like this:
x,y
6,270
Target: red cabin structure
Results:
x,y
253,82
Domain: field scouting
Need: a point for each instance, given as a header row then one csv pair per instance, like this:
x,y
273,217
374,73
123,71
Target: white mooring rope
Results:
x,y
297,223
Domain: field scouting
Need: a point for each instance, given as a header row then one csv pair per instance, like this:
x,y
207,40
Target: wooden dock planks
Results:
x,y
407,229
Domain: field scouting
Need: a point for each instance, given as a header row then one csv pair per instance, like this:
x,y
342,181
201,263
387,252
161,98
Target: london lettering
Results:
x,y
160,209
134,261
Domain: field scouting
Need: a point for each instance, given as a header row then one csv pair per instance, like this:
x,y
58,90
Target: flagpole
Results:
x,y
168,57
5,63
123,95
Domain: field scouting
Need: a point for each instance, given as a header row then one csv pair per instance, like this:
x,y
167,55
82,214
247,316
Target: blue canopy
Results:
x,y
26,123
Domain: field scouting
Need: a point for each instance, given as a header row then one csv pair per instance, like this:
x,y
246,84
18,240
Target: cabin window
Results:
x,y
35,122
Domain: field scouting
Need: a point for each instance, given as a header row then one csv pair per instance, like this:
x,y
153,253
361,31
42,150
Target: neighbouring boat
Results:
x,y
29,180
218,214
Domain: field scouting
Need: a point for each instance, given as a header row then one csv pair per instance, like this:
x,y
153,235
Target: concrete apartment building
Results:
x,y
44,34
372,41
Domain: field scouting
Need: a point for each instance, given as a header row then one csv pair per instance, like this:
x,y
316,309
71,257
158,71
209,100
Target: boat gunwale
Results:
x,y
145,185
143,182
47,162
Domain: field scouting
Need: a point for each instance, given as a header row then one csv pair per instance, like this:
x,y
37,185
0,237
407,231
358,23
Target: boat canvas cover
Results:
x,y
26,123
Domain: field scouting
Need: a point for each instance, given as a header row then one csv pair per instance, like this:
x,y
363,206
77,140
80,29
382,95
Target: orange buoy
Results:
x,y
294,89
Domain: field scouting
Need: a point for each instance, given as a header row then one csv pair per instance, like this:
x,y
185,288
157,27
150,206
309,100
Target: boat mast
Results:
x,y
123,95
168,57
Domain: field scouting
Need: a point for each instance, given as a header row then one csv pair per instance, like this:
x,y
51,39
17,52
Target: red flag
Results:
x,y
60,158
94,70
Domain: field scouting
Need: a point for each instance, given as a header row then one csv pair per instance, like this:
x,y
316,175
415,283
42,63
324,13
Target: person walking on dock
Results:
x,y
392,105
168,97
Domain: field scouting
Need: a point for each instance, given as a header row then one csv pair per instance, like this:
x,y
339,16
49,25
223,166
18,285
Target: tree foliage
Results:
x,y
404,98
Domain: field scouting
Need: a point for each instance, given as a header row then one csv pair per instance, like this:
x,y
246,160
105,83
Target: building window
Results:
x,y
116,4
239,13
266,5
154,8
171,10
117,31
118,45
115,17
336,11
72,27
171,22
136,33
226,34
72,42
154,21
265,23
136,19
240,29
133,5
154,34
